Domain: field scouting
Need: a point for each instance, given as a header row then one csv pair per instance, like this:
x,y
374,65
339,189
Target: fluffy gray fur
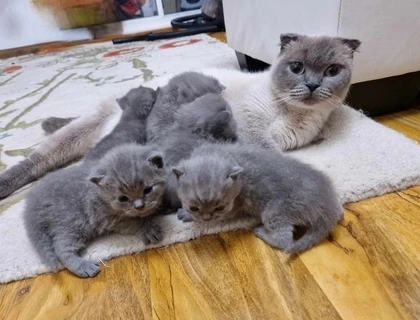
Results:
x,y
206,119
221,182
181,89
52,124
70,207
131,127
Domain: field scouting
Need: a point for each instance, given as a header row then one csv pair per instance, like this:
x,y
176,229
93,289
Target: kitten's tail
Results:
x,y
317,232
65,145
312,236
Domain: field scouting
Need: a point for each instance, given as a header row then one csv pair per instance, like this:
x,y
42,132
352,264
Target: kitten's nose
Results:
x,y
138,204
206,217
312,86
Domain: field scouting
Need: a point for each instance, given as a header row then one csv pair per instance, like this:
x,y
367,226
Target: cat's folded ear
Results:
x,y
156,159
352,44
223,116
178,172
221,88
235,172
96,177
287,38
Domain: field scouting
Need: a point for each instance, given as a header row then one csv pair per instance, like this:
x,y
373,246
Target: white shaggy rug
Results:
x,y
362,157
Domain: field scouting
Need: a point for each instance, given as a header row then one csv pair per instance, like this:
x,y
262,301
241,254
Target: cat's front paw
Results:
x,y
87,269
184,216
153,234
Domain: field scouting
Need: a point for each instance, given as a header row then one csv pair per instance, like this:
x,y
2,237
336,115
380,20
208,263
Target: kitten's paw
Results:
x,y
184,216
152,235
87,269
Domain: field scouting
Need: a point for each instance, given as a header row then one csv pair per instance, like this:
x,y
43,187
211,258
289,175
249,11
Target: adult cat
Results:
x,y
282,108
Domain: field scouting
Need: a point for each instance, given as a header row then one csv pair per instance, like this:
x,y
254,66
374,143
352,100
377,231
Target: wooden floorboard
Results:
x,y
368,269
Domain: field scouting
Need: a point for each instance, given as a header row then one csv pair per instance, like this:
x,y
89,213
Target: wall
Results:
x,y
21,24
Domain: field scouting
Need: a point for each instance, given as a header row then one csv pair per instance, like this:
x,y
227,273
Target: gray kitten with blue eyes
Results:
x,y
221,182
115,189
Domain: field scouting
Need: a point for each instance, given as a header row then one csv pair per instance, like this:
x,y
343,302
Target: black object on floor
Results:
x,y
375,98
210,20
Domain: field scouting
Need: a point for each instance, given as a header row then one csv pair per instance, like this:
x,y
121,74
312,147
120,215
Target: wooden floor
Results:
x,y
369,269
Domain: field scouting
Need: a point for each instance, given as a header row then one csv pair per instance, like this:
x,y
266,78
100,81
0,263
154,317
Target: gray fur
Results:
x,y
60,149
52,124
69,208
79,137
221,182
316,54
131,128
181,89
132,99
206,119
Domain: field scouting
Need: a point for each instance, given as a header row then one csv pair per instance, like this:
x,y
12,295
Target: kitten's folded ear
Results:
x,y
221,88
234,172
352,44
223,116
156,160
287,38
178,172
96,177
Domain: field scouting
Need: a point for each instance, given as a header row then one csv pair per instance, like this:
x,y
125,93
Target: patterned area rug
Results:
x,y
363,158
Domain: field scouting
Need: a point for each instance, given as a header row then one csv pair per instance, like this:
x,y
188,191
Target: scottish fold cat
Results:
x,y
69,208
221,182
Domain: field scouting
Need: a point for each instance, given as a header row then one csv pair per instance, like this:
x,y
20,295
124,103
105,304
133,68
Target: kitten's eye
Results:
x,y
297,67
147,190
333,70
194,209
123,199
220,208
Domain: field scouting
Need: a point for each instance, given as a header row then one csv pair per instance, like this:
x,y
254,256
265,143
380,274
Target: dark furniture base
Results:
x,y
375,98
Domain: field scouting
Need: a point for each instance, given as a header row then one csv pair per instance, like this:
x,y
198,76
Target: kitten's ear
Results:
x,y
96,178
287,38
234,173
352,44
224,116
122,102
177,172
156,160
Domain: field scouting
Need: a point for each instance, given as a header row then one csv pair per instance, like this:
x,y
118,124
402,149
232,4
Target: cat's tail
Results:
x,y
52,124
64,146
313,235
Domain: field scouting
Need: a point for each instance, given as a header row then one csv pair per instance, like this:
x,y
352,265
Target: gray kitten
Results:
x,y
206,119
131,128
221,182
133,99
181,89
69,208
136,105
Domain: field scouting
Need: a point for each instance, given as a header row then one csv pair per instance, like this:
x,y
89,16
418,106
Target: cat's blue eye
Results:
x,y
147,190
297,67
194,209
123,199
219,208
333,70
